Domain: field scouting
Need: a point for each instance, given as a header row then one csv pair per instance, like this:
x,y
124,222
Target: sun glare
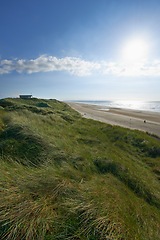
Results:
x,y
135,50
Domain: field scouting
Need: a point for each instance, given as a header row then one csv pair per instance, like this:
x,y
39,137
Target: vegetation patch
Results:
x,y
66,177
107,166
17,141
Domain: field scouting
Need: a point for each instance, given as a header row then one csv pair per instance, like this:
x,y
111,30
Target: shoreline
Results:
x,y
134,119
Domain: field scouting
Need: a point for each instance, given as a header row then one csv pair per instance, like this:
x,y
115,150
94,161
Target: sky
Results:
x,y
80,50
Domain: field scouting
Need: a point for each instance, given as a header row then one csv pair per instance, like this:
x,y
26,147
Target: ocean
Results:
x,y
135,105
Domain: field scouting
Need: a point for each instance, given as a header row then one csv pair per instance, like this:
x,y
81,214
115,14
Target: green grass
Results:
x,y
66,177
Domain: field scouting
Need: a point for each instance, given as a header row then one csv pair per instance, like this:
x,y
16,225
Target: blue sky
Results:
x,y
84,50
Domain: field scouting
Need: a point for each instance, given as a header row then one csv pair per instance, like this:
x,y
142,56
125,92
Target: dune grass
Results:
x,y
66,177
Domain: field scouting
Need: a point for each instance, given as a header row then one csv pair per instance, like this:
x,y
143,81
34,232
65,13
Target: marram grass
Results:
x,y
66,177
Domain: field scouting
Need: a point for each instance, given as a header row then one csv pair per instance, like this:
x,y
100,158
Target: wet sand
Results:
x,y
135,119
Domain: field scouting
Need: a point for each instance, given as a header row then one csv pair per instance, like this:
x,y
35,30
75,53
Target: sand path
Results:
x,y
133,119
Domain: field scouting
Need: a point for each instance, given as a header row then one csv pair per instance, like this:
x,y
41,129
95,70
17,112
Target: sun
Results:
x,y
135,50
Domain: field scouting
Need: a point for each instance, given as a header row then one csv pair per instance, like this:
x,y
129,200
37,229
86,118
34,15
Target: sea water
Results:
x,y
135,105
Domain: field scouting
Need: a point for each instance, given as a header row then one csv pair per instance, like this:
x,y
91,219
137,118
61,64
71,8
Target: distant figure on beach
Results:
x,y
144,121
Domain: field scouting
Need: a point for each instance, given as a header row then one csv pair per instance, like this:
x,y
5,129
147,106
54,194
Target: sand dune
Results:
x,y
134,119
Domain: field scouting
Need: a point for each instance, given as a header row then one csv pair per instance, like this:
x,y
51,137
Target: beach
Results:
x,y
134,119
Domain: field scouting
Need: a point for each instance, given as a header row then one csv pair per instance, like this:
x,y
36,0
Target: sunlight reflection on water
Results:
x,y
136,105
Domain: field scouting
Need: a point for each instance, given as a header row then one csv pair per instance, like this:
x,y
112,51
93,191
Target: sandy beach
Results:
x,y
135,119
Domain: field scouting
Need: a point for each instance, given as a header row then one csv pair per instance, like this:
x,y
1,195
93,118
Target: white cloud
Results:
x,y
44,63
79,67
136,69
